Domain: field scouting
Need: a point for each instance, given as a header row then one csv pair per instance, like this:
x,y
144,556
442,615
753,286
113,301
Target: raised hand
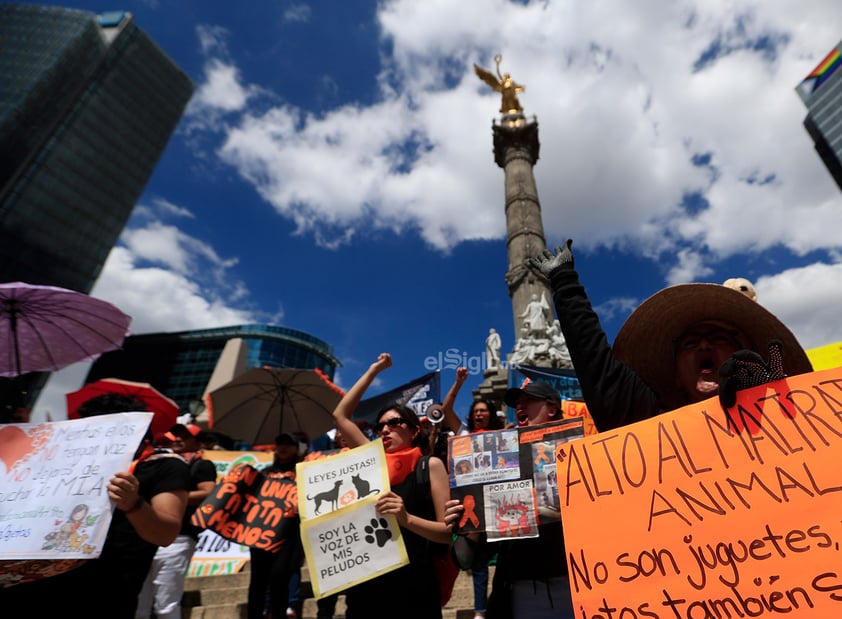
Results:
x,y
745,369
384,360
547,262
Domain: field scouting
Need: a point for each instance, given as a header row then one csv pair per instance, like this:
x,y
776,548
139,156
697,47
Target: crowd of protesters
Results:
x,y
684,344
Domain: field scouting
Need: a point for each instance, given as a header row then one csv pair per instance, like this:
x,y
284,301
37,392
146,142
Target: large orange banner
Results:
x,y
696,514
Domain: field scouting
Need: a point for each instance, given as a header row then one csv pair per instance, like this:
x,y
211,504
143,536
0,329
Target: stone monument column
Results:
x,y
516,151
538,338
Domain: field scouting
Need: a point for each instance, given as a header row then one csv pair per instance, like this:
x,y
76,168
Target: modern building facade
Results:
x,y
87,105
821,92
181,364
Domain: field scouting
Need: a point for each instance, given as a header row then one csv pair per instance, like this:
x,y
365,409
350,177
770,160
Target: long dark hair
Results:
x,y
494,422
409,417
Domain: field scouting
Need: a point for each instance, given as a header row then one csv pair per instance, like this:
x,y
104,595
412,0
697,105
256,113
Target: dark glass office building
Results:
x,y
87,105
821,92
181,364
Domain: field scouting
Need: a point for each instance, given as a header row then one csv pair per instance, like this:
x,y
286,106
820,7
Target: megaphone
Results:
x,y
435,413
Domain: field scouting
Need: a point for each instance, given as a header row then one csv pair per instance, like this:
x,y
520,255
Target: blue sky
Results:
x,y
334,171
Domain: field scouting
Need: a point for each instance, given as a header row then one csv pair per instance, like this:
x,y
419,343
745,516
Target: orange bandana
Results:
x,y
401,463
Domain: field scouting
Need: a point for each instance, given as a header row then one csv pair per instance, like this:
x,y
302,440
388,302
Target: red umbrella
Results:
x,y
165,409
45,328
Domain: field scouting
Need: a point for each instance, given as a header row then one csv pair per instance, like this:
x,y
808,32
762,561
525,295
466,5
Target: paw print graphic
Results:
x,y
378,531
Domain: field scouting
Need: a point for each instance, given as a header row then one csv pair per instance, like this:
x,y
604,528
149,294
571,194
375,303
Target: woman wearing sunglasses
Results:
x,y
417,500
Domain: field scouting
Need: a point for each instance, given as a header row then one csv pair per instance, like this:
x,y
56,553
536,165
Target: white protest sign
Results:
x,y
345,541
53,483
342,479
350,546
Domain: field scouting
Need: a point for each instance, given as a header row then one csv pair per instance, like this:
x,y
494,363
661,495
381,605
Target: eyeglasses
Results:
x,y
394,422
715,337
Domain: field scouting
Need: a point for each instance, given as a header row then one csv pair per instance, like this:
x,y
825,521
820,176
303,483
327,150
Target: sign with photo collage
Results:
x,y
506,479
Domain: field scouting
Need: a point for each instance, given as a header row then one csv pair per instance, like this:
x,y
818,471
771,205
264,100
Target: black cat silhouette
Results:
x,y
362,486
328,496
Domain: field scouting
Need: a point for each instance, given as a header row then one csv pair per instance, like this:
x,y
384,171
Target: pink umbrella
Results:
x,y
45,328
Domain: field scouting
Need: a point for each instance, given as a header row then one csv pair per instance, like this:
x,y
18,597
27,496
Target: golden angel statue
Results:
x,y
504,85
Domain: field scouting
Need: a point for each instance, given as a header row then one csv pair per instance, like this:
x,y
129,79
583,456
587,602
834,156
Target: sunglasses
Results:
x,y
715,337
394,422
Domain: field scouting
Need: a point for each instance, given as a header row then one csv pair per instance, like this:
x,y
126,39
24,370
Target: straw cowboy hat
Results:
x,y
645,341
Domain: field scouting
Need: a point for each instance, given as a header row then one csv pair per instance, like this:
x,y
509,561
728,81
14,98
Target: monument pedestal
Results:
x,y
493,387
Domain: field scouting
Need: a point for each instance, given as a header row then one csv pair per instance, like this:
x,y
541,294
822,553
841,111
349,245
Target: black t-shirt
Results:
x,y
201,470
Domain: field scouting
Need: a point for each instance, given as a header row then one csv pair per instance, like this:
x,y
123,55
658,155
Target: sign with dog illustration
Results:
x,y
53,483
342,479
507,478
345,541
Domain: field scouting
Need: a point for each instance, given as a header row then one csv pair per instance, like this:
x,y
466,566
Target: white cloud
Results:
x,y
166,207
807,300
622,103
296,12
221,89
158,299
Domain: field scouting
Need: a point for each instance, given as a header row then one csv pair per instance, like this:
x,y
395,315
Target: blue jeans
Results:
x,y
480,577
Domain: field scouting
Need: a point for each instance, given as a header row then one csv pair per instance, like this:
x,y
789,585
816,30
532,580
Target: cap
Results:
x,y
534,389
285,438
191,429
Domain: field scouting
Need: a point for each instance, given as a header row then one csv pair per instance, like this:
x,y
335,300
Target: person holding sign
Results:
x,y
417,500
164,586
684,344
149,500
271,571
482,417
530,580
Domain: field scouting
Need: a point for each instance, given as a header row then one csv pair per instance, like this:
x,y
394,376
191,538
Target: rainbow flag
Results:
x,y
820,74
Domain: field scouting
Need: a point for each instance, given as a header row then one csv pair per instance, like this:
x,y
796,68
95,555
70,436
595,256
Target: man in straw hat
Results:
x,y
684,344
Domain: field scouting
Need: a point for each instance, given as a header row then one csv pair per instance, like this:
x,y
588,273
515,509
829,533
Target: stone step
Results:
x,y
224,597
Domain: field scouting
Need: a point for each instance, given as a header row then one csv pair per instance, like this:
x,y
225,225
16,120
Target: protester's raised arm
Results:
x,y
451,419
344,411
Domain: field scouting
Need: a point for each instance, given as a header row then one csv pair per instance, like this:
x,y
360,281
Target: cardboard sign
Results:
x,y
341,479
697,514
53,483
345,540
250,508
214,554
350,546
506,479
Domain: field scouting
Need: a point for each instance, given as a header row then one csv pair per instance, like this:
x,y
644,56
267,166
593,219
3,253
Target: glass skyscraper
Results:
x,y
87,105
821,92
181,364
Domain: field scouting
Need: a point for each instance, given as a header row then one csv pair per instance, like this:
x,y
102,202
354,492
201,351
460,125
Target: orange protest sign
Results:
x,y
696,515
576,409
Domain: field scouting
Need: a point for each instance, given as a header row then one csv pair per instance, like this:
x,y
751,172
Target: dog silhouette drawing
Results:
x,y
328,496
362,486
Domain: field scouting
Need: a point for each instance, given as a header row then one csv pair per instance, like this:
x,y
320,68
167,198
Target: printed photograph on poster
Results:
x,y
342,479
510,510
479,464
490,456
350,546
53,483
